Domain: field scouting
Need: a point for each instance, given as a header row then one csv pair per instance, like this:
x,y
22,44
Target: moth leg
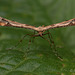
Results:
x,y
47,40
29,43
32,37
53,46
20,41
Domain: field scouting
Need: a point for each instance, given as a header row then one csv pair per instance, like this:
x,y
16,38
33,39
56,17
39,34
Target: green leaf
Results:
x,y
37,57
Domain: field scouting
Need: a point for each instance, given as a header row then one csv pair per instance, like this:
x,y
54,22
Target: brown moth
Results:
x,y
40,30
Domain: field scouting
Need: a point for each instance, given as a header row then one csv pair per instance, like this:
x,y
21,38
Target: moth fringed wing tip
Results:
x,y
3,22
72,22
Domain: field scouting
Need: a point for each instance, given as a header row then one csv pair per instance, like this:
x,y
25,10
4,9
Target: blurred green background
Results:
x,y
37,58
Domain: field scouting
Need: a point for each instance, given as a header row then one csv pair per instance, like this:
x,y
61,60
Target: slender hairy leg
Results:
x,y
33,37
47,40
31,40
53,45
29,43
20,41
51,40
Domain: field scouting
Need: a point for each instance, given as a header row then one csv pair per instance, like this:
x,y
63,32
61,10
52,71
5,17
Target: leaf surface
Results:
x,y
37,58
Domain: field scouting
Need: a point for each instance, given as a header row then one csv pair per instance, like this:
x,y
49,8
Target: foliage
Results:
x,y
38,57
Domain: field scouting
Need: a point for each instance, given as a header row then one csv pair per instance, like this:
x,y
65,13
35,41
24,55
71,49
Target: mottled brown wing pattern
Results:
x,y
40,30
